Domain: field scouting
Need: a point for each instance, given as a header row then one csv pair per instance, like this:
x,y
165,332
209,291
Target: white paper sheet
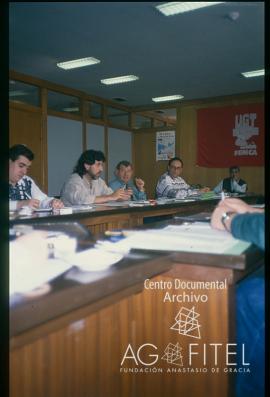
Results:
x,y
83,207
94,260
195,237
28,277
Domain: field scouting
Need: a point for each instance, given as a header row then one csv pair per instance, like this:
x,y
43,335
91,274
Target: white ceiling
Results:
x,y
199,54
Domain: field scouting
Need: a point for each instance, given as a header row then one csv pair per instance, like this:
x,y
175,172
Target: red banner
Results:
x,y
232,135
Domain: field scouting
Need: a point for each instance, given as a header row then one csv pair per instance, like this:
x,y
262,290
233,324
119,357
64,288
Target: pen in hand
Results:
x,y
222,196
35,202
28,195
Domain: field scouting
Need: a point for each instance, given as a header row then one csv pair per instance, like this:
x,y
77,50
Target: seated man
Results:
x,y
123,180
247,223
85,186
171,185
22,189
233,184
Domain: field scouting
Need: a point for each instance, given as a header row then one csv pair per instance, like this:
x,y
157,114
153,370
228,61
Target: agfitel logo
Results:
x,y
172,354
187,324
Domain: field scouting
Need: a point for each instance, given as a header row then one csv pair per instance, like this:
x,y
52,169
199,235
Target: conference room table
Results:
x,y
115,334
113,216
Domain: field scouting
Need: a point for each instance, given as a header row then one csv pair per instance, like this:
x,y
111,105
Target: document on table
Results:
x,y
175,200
25,276
28,277
114,203
200,217
195,237
82,207
73,208
42,209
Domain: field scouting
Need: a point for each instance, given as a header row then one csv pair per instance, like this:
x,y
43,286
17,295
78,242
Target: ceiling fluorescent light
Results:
x,y
119,80
71,109
177,7
254,73
78,63
17,93
167,98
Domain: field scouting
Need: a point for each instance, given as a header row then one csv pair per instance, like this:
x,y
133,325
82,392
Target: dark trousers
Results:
x,y
250,323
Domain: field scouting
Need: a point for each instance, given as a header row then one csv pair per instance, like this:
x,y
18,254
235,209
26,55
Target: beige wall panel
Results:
x,y
146,166
25,127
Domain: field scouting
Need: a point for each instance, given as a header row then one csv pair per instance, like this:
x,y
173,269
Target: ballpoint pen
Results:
x,y
28,195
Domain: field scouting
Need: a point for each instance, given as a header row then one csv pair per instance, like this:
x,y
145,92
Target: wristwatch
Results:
x,y
225,217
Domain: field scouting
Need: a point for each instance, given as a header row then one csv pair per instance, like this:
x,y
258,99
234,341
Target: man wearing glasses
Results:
x,y
172,185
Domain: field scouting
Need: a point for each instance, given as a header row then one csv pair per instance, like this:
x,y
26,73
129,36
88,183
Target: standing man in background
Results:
x,y
22,189
124,173
232,184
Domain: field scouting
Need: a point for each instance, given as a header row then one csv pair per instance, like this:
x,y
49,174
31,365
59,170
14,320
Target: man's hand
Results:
x,y
205,189
230,205
32,203
121,195
239,206
129,191
56,203
216,218
139,184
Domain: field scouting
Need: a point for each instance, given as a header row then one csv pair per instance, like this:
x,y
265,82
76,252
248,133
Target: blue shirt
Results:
x,y
117,184
249,227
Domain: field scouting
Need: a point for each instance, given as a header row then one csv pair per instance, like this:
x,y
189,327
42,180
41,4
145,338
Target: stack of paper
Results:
x,y
195,237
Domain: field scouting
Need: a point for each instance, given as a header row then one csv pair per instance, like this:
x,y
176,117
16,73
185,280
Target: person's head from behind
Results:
x,y
175,167
234,172
91,163
20,159
124,171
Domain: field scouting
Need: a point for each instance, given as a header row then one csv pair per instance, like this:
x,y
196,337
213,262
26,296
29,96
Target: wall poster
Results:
x,y
165,145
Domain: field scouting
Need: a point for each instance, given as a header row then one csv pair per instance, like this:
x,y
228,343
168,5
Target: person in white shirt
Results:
x,y
233,184
85,186
171,185
22,189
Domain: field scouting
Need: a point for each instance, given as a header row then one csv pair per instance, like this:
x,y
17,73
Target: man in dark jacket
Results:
x,y
233,184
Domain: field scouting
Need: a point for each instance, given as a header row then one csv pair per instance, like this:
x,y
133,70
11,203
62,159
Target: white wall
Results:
x,y
95,139
119,143
64,149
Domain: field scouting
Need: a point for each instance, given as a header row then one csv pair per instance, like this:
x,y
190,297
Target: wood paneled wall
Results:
x,y
25,127
149,169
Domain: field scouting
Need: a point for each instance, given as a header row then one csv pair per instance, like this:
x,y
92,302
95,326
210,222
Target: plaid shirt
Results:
x,y
21,191
26,189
